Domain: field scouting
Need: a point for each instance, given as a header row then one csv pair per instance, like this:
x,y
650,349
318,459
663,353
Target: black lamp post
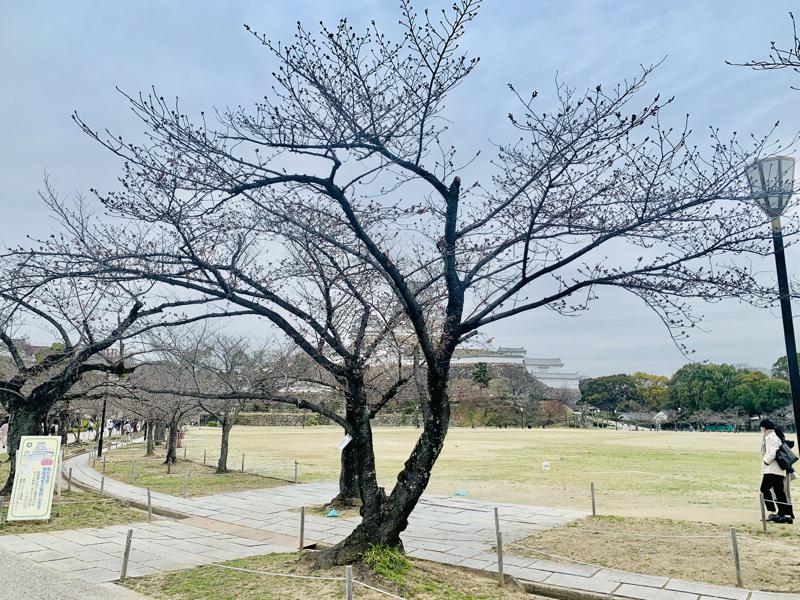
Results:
x,y
772,182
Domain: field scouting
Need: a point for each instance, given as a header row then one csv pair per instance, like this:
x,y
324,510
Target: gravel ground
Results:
x,y
20,578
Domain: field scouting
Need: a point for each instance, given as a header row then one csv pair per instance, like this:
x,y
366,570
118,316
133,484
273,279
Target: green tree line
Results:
x,y
693,387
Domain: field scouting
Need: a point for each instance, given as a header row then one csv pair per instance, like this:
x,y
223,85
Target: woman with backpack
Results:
x,y
773,476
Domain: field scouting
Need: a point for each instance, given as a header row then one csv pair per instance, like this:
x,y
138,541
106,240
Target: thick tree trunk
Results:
x,y
172,444
349,492
25,420
350,468
222,463
384,524
149,432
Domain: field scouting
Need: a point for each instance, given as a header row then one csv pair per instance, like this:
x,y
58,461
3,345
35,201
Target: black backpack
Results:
x,y
785,457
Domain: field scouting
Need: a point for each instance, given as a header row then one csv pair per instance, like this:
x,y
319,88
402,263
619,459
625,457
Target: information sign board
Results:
x,y
35,478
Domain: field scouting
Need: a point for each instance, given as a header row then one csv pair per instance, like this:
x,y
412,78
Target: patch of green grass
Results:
x,y
78,510
424,581
387,562
151,472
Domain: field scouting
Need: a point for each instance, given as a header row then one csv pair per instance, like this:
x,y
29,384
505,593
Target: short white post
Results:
x,y
124,573
295,472
594,508
186,484
149,506
302,527
102,485
348,582
763,511
204,457
499,547
242,462
736,562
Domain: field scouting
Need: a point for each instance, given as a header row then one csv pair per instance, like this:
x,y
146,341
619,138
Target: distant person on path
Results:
x,y
773,476
4,434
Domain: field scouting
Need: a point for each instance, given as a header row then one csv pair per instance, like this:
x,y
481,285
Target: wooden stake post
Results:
x,y
302,528
124,573
736,562
499,547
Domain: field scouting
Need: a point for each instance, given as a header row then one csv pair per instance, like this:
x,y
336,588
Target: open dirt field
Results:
x,y
671,548
711,477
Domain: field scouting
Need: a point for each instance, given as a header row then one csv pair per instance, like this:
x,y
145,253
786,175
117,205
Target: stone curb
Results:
x,y
561,593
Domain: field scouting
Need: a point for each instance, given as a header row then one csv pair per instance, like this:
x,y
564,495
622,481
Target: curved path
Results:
x,y
455,531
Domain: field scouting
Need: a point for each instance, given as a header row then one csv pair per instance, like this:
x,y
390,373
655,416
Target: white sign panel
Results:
x,y
34,479
345,440
546,465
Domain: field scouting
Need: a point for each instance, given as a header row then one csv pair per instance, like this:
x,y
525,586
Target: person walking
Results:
x,y
4,434
773,477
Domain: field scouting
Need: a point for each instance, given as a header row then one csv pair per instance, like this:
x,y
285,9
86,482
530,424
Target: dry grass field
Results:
x,y
708,477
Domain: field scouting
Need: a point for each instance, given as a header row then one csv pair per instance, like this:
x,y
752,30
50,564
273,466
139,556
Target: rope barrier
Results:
x,y
287,575
306,577
653,535
553,556
770,544
374,589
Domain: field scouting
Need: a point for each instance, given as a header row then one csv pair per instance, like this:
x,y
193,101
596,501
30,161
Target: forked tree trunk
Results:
x,y
25,420
384,524
222,463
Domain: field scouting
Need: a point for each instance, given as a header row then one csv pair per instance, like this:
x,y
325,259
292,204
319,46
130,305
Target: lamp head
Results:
x,y
772,182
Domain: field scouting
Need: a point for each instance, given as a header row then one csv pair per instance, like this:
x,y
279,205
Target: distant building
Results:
x,y
546,370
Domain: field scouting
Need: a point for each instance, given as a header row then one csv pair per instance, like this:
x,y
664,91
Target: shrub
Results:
x,y
212,424
387,562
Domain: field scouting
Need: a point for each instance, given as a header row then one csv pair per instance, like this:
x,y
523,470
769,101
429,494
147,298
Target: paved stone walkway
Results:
x,y
456,531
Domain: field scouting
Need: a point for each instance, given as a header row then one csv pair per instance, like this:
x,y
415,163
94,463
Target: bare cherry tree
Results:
x,y
348,158
226,365
87,317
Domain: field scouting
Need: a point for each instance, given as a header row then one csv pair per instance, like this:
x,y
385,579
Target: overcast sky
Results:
x,y
56,57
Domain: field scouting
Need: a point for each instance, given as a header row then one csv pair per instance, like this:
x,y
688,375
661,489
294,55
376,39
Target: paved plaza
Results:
x,y
456,531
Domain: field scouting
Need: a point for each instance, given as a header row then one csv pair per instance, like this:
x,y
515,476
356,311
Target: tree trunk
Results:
x,y
25,420
160,432
172,444
384,524
222,463
349,492
63,426
149,429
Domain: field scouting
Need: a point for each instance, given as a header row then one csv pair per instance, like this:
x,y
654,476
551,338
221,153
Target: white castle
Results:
x,y
546,370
